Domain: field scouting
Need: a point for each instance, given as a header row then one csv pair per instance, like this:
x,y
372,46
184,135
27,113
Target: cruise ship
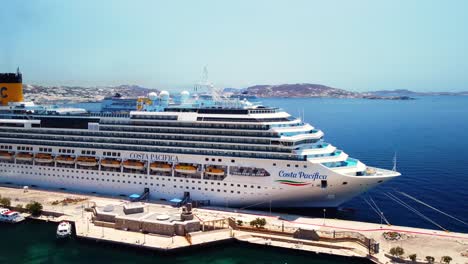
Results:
x,y
225,152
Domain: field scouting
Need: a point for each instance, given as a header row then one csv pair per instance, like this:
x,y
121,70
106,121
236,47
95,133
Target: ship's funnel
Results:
x,y
11,88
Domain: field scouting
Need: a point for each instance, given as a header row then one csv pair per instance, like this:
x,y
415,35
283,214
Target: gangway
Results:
x,y
179,202
138,197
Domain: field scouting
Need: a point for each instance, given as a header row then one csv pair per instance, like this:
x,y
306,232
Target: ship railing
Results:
x,y
110,114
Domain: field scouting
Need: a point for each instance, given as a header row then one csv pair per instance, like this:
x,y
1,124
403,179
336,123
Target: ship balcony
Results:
x,y
347,163
335,159
292,129
314,134
323,148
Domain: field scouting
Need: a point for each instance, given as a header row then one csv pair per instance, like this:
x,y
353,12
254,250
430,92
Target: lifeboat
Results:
x,y
65,160
160,166
110,163
5,155
133,164
43,158
86,161
188,169
214,171
24,156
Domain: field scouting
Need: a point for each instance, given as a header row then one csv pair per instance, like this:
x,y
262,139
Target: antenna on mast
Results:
x,y
394,162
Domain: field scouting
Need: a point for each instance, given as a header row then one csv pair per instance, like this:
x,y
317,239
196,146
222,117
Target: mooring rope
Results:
x,y
423,203
399,201
381,213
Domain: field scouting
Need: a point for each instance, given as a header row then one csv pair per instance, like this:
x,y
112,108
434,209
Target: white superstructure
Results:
x,y
225,152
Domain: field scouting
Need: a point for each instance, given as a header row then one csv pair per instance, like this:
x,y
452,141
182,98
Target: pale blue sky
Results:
x,y
354,45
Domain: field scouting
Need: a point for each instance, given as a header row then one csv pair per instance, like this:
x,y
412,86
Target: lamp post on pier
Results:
x,y
324,211
381,219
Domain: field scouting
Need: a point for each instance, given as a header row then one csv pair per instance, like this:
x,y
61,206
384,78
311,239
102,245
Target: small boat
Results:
x,y
64,229
5,155
9,216
86,161
186,169
214,171
43,158
65,160
134,165
110,163
160,166
24,156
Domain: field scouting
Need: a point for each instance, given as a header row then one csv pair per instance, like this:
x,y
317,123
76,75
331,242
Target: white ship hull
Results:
x,y
234,191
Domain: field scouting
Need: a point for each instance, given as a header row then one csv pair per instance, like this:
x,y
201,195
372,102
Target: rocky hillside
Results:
x,y
299,90
73,94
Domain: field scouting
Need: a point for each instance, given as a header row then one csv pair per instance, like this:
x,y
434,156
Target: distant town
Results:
x,y
76,94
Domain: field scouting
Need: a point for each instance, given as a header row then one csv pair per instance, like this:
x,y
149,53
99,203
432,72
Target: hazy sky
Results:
x,y
354,45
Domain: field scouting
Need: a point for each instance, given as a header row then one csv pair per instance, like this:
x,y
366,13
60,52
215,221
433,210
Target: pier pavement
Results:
x,y
423,242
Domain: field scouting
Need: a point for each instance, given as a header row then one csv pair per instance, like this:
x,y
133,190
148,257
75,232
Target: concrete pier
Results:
x,y
329,236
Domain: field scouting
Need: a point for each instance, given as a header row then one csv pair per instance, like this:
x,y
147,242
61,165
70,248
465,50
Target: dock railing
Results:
x,y
315,235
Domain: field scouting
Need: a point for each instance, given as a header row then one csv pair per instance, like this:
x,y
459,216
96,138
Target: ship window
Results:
x,y
344,183
288,165
207,159
323,184
296,165
305,166
233,161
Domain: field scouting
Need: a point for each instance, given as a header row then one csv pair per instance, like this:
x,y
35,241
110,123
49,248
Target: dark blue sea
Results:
x,y
429,136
